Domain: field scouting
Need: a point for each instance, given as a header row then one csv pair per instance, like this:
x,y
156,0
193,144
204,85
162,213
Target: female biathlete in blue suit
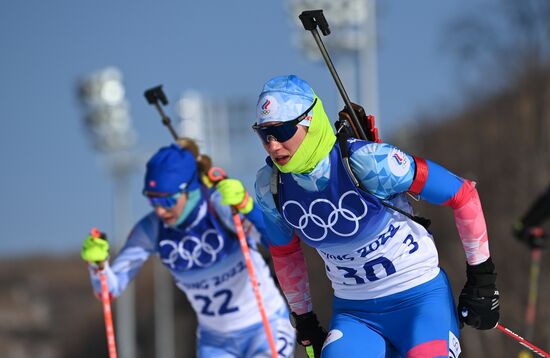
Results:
x,y
390,296
192,232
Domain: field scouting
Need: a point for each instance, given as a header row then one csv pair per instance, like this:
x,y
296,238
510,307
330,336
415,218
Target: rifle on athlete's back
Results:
x,y
352,120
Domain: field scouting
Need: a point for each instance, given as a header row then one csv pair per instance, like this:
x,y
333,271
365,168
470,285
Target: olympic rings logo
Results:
x,y
193,250
336,215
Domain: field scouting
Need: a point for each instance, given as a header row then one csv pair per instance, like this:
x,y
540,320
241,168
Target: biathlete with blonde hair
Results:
x,y
192,232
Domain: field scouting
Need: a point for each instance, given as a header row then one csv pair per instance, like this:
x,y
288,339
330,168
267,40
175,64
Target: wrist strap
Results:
x,y
243,203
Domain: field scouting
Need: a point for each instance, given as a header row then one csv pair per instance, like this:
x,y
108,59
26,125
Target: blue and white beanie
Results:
x,y
284,98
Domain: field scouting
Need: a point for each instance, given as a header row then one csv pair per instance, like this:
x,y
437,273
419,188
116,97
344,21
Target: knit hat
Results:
x,y
284,98
171,170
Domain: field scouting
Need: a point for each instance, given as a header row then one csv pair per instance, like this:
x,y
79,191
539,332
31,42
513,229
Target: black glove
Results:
x,y
478,304
309,332
533,236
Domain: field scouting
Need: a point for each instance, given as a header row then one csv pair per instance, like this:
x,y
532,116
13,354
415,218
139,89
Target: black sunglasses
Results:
x,y
283,131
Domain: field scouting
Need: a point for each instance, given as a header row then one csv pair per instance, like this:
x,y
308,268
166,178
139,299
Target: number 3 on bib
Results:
x,y
369,266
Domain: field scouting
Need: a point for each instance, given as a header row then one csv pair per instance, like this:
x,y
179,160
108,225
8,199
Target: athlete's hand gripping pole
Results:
x,y
105,299
523,342
216,175
311,19
309,333
155,95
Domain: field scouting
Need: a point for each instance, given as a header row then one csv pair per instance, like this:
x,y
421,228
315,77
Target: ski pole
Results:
x,y
311,19
523,342
155,95
216,174
106,301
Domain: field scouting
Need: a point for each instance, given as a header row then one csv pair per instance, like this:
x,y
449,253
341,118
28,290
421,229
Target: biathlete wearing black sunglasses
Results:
x,y
283,131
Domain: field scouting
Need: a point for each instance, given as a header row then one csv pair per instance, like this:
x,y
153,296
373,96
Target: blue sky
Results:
x,y
55,187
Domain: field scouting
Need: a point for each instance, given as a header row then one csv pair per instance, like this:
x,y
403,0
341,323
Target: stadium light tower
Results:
x,y
109,125
352,41
207,121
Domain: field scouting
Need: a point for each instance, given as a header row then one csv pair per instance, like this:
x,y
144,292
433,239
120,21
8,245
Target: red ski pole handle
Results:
x,y
106,300
108,316
215,175
523,342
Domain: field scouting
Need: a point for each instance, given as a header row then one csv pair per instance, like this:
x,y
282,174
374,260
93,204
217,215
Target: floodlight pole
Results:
x,y
367,62
109,125
125,322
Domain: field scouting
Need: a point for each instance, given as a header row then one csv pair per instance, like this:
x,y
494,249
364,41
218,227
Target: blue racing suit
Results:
x,y
391,298
204,257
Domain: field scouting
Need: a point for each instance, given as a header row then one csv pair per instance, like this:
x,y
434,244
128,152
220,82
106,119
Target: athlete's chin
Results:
x,y
169,221
282,160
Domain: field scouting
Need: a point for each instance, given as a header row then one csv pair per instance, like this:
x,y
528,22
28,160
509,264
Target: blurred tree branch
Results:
x,y
506,43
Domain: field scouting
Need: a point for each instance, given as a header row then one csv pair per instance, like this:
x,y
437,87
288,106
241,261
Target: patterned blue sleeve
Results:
x,y
278,232
137,249
383,169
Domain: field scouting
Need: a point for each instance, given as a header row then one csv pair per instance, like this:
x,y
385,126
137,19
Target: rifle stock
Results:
x,y
367,123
